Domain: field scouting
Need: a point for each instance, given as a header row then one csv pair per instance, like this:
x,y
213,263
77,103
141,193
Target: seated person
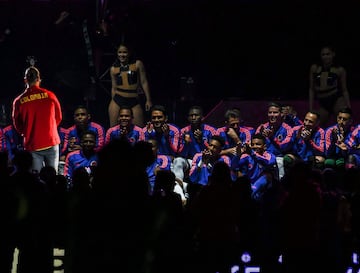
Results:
x,y
203,163
308,143
62,133
125,128
12,141
257,164
277,134
166,134
160,162
336,150
2,141
289,115
164,190
352,145
75,132
234,132
85,157
195,137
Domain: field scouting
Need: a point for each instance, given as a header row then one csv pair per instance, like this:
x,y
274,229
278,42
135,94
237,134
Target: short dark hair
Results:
x,y
274,104
314,112
127,107
259,136
346,110
196,107
81,106
232,113
158,107
89,132
219,139
328,46
31,74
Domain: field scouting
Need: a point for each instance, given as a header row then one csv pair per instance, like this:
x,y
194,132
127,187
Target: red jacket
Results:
x,y
36,115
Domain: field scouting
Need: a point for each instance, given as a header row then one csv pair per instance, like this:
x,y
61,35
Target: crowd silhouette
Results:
x,y
108,221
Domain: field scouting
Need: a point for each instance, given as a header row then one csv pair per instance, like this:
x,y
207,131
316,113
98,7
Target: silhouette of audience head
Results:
x,y
164,181
221,174
145,152
48,175
23,161
81,180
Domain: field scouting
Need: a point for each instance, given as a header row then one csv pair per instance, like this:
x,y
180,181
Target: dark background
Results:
x,y
252,50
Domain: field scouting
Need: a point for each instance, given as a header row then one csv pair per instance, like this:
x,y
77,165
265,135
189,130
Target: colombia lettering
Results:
x,y
32,97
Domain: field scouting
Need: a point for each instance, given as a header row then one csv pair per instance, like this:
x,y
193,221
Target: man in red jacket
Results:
x,y
36,116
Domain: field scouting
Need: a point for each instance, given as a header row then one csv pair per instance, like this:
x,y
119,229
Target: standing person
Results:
x,y
127,77
328,86
36,115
